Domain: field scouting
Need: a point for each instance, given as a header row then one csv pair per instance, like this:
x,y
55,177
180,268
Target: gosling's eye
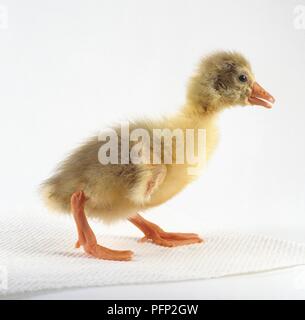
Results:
x,y
243,78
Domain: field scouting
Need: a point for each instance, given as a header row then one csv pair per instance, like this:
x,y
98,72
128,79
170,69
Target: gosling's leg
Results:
x,y
86,236
158,236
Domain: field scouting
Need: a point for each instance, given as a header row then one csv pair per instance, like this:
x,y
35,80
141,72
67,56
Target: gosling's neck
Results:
x,y
195,116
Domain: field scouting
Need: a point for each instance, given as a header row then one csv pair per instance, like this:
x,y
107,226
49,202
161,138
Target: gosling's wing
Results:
x,y
148,179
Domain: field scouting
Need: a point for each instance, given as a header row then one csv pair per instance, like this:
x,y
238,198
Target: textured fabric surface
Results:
x,y
37,252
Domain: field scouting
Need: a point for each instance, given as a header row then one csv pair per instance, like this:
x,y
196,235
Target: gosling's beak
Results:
x,y
259,96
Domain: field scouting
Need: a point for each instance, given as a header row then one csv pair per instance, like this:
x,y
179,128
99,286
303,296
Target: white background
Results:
x,y
69,68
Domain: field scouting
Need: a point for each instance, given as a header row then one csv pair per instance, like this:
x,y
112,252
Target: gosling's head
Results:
x,y
225,79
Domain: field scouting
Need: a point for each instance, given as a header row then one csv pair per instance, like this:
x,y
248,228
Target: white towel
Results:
x,y
36,253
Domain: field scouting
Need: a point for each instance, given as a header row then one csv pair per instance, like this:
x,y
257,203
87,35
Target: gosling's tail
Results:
x,y
55,196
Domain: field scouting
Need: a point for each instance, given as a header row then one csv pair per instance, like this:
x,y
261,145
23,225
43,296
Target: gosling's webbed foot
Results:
x,y
104,253
86,236
172,239
155,234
